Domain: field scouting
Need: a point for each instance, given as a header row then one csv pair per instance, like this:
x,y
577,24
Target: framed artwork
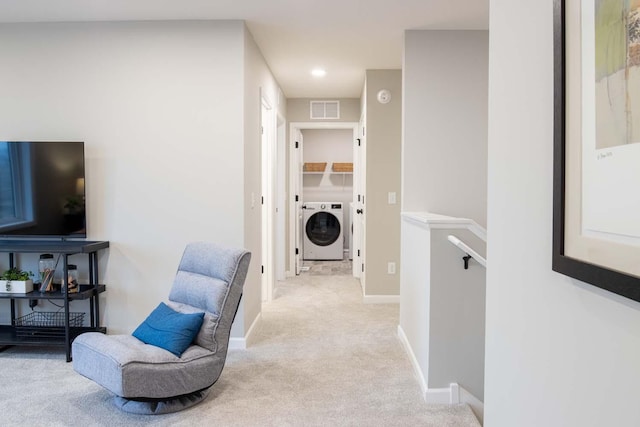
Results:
x,y
596,200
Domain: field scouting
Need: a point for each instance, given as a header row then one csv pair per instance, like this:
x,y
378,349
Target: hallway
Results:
x,y
322,357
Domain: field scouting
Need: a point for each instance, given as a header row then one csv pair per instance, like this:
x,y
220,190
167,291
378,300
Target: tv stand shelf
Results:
x,y
57,335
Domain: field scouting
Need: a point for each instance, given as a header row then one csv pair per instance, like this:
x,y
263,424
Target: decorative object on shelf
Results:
x,y
342,167
16,281
384,96
46,267
72,280
315,167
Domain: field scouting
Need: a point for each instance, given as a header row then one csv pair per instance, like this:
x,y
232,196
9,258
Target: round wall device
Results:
x,y
384,96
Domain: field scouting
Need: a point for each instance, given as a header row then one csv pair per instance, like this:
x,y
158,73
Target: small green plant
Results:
x,y
16,274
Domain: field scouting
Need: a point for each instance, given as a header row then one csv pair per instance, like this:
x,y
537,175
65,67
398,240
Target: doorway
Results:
x,y
274,198
328,192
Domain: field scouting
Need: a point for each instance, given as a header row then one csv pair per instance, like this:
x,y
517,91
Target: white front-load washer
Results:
x,y
323,231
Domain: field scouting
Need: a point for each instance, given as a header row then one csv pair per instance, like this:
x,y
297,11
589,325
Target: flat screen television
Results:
x,y
42,191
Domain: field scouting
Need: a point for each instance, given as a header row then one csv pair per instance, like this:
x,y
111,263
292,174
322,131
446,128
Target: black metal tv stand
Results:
x,y
62,330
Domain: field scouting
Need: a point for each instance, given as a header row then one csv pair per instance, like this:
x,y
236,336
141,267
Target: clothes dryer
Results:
x,y
323,231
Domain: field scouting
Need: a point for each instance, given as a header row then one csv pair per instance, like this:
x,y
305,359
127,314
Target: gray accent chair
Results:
x,y
150,380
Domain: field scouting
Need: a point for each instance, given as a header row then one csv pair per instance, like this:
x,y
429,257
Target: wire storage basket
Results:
x,y
46,324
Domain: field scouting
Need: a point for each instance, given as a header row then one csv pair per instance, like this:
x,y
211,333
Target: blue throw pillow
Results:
x,y
168,329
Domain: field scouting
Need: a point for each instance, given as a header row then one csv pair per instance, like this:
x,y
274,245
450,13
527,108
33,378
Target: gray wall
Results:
x,y
383,124
445,131
444,171
457,311
558,352
442,307
298,109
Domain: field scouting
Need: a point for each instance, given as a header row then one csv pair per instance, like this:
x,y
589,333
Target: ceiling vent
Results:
x,y
325,109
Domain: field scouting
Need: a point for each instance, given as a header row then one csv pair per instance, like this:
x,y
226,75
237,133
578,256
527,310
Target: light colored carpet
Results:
x,y
321,358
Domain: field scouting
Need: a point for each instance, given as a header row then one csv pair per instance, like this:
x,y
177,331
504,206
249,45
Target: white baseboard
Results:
x,y
241,343
452,395
442,396
381,299
455,395
422,381
477,406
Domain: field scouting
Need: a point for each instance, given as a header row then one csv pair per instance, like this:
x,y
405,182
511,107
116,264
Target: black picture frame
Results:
x,y
611,280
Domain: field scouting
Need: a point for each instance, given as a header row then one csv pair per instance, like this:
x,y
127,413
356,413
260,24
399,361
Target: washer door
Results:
x,y
323,228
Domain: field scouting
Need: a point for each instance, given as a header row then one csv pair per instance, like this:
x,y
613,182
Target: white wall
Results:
x,y
157,105
328,145
558,352
445,123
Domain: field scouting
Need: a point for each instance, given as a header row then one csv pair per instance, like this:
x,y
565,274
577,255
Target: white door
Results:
x,y
359,185
267,199
297,211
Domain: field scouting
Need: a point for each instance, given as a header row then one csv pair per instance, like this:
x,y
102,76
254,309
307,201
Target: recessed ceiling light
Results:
x,y
318,72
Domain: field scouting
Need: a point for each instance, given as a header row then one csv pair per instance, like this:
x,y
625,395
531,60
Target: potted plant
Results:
x,y
15,281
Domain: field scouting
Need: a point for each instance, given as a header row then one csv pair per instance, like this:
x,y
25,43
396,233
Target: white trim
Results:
x,y
280,196
268,149
412,358
477,406
454,398
438,396
444,396
237,343
293,191
381,299
452,395
241,343
437,221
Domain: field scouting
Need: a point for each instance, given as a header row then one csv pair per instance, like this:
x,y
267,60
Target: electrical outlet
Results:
x,y
391,268
392,198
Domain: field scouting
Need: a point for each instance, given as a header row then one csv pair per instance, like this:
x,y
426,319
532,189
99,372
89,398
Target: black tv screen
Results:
x,y
42,192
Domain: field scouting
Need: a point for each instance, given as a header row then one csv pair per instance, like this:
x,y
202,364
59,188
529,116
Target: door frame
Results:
x,y
294,179
280,197
359,191
268,165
